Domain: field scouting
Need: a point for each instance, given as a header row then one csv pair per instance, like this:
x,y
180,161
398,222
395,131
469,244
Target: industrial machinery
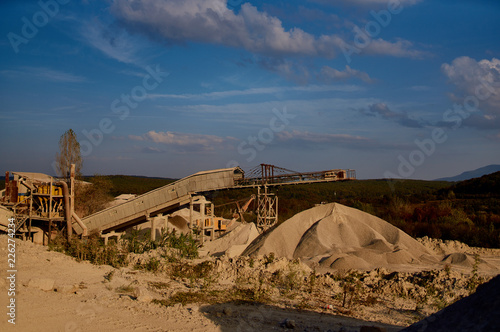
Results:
x,y
39,203
274,176
39,199
240,209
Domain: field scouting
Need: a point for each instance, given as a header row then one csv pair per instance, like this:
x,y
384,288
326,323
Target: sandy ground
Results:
x,y
330,268
77,297
53,292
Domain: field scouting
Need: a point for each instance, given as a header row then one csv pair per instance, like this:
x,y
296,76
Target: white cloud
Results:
x,y
400,49
366,2
305,136
290,69
185,142
113,42
260,91
479,79
331,74
210,21
419,88
309,140
45,74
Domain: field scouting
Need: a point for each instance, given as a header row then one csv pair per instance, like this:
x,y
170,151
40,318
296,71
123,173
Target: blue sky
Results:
x,y
406,89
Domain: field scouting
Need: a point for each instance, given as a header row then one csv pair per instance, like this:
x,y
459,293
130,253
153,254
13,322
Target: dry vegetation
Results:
x,y
280,282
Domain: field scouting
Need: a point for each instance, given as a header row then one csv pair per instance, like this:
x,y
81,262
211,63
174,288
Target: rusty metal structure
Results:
x,y
274,176
241,209
267,208
35,196
264,176
38,202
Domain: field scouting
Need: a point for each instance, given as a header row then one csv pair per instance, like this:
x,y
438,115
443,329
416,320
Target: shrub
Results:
x,y
92,249
198,271
152,265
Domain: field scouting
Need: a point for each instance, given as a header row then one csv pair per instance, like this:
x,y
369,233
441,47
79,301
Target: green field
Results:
x,y
126,184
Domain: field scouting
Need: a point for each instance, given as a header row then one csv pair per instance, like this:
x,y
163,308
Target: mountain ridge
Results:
x,y
476,173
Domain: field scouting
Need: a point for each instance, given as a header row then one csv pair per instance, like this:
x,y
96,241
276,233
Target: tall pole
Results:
x,y
50,210
72,193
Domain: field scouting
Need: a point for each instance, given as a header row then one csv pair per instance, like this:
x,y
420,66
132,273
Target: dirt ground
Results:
x,y
54,292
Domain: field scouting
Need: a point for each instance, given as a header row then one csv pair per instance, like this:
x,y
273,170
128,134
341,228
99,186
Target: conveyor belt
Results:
x,y
161,200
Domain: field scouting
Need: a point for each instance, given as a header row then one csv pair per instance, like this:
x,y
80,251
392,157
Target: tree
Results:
x,y
69,153
94,196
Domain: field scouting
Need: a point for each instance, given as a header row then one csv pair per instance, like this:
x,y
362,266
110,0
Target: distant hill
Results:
x,y
485,186
130,184
472,174
125,184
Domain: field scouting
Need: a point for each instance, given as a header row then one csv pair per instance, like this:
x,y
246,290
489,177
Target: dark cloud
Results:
x,y
183,142
382,110
308,140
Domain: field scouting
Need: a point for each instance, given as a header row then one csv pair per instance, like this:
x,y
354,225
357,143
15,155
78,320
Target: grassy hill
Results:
x,y
124,184
127,184
296,198
484,186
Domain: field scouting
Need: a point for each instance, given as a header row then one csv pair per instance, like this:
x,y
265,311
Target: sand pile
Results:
x,y
178,221
446,247
233,243
184,213
336,236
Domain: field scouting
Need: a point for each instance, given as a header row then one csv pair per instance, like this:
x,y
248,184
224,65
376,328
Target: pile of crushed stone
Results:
x,y
334,236
234,242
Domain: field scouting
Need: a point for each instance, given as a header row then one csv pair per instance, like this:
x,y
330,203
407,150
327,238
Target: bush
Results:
x,y
91,249
94,250
186,245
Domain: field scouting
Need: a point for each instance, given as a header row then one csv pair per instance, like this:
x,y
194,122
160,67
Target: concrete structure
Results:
x,y
162,200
